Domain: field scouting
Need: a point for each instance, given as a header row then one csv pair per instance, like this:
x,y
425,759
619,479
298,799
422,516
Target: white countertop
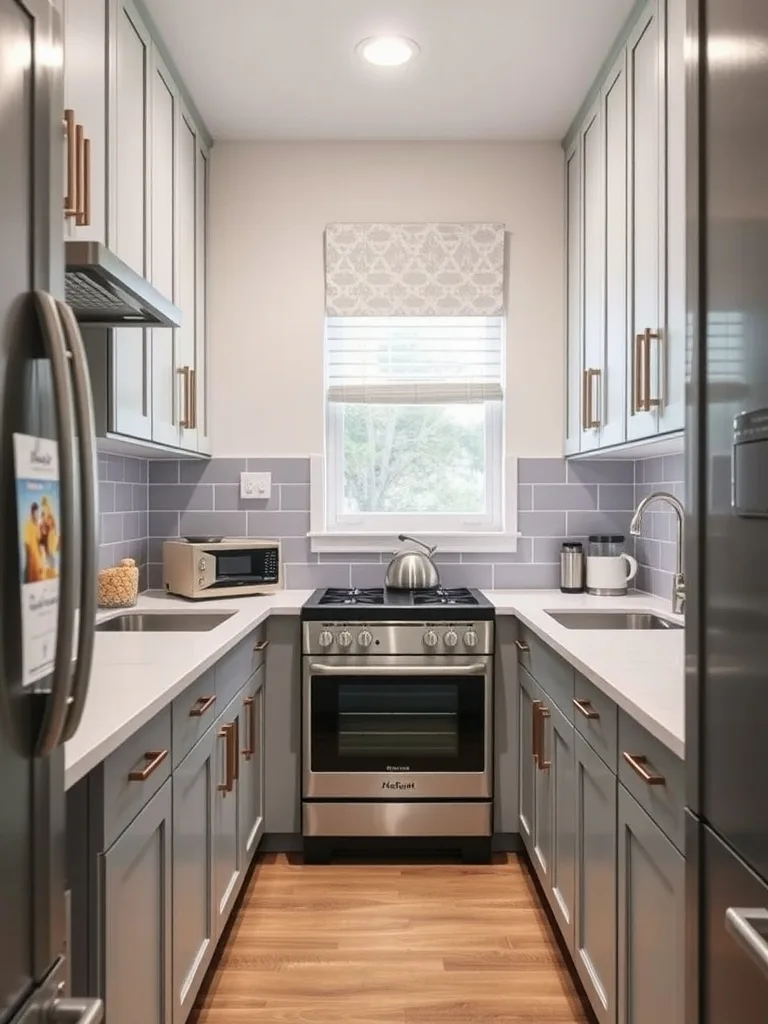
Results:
x,y
641,670
136,675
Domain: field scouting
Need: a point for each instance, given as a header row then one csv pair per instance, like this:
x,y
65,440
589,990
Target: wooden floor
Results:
x,y
389,944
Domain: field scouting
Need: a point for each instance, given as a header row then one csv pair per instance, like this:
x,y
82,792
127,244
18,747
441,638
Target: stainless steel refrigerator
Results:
x,y
727,618
45,398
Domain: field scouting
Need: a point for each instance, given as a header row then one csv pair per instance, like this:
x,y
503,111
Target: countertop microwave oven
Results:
x,y
227,567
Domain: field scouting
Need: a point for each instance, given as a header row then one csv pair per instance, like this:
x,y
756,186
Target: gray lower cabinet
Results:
x,y
595,921
542,794
559,751
651,946
227,862
527,769
137,917
194,921
250,784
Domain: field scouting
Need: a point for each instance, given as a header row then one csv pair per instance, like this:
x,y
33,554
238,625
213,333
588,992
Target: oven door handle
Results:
x,y
476,669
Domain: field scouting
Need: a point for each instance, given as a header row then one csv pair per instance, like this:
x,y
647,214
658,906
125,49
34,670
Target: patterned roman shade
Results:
x,y
387,270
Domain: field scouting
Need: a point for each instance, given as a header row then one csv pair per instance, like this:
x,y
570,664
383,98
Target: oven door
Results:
x,y
396,728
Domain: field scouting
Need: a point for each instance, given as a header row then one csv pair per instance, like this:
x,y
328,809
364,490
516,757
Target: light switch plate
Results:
x,y
256,486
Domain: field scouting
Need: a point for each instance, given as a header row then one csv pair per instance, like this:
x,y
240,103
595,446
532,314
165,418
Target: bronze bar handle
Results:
x,y
261,645
79,172
544,713
535,705
592,423
639,762
248,751
585,399
522,646
639,401
585,708
193,396
236,749
70,200
226,786
650,403
84,213
186,423
202,704
154,758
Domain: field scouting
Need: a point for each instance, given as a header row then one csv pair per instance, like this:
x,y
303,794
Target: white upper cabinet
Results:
x,y
629,284
85,95
202,419
186,334
647,232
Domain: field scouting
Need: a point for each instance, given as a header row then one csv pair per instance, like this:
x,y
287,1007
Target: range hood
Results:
x,y
104,292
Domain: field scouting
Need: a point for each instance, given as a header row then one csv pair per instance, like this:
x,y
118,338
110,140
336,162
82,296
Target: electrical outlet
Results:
x,y
256,486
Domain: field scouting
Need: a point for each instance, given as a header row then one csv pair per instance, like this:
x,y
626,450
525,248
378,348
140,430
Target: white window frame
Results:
x,y
335,532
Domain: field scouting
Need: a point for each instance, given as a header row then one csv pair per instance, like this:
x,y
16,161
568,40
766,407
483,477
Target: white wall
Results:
x,y
270,203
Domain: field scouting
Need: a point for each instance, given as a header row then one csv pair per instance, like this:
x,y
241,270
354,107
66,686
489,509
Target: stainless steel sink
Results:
x,y
163,622
612,620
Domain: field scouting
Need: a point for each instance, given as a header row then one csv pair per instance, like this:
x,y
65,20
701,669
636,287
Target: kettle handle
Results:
x,y
430,551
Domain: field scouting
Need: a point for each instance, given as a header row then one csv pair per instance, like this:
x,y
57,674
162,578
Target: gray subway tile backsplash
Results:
x,y
656,550
541,471
123,515
602,471
564,496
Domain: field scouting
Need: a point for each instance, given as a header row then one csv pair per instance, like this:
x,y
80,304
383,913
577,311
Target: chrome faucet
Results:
x,y
635,527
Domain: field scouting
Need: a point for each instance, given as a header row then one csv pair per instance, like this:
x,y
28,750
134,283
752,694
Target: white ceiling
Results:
x,y
488,69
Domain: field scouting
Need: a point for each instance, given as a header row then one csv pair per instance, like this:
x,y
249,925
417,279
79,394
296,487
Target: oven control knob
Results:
x,y
470,638
326,638
451,638
365,638
345,638
430,638
201,565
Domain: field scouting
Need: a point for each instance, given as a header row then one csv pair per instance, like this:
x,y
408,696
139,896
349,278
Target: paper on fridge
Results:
x,y
36,462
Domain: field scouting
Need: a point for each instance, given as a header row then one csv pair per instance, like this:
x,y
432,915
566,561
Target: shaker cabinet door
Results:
x,y
194,920
559,750
573,291
186,366
226,813
137,917
542,790
251,781
651,944
526,770
595,921
593,246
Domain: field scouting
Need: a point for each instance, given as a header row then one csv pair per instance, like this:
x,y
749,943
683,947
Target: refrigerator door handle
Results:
x,y
73,1011
86,442
55,710
748,926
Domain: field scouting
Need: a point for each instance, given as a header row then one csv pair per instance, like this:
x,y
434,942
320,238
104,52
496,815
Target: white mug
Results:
x,y
608,574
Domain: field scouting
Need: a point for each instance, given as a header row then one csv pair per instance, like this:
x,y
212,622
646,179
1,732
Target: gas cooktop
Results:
x,y
380,604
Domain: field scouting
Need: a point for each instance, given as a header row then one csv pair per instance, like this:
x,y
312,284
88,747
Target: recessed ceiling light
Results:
x,y
387,51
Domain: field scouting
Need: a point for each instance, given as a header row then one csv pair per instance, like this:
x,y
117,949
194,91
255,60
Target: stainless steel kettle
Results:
x,y
413,570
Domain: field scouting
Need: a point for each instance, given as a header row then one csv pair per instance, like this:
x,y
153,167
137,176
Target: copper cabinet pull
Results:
x,y
585,399
84,215
585,707
70,200
649,335
638,402
544,714
521,645
535,705
185,423
261,645
639,762
592,423
250,733
226,786
154,758
79,173
193,397
202,704
236,749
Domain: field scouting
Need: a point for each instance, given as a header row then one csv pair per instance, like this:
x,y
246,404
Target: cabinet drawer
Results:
x,y
553,675
596,718
192,713
663,800
145,754
236,668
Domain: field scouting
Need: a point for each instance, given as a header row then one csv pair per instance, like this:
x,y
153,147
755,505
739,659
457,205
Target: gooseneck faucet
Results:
x,y
635,528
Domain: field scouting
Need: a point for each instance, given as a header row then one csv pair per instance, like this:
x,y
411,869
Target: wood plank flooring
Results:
x,y
393,943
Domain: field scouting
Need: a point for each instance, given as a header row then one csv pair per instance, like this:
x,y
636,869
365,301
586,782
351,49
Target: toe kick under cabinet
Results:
x,y
601,814
160,838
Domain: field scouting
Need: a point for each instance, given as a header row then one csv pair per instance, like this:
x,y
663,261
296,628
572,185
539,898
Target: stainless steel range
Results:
x,y
397,719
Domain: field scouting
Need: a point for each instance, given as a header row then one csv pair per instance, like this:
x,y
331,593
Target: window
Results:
x,y
414,425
